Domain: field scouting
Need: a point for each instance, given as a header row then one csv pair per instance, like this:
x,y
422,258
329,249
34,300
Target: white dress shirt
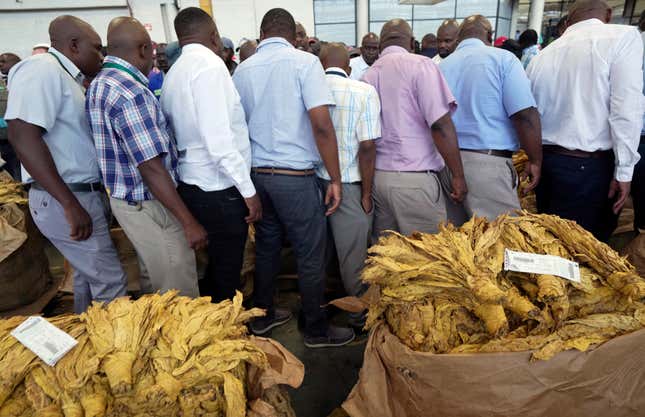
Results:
x,y
437,59
359,67
204,111
588,87
46,90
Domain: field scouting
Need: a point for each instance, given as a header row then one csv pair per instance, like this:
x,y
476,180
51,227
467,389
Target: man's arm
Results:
x,y
325,136
529,132
160,183
445,138
366,164
28,143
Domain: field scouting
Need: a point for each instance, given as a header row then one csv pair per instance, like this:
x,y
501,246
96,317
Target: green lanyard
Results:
x,y
63,66
126,70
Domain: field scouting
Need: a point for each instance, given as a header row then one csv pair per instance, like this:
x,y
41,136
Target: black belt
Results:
x,y
283,171
75,187
491,152
575,152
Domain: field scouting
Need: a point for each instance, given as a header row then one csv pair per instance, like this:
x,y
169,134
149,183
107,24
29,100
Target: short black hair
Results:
x,y
190,20
528,38
279,22
641,22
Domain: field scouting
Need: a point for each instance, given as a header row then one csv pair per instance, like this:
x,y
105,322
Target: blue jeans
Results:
x,y
292,207
576,189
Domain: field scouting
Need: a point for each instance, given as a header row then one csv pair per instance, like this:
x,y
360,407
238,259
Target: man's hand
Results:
x,y
619,191
196,235
79,220
367,204
459,189
532,172
332,199
255,209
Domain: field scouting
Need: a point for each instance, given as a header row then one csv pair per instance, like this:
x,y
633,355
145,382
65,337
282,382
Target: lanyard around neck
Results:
x,y
63,66
126,70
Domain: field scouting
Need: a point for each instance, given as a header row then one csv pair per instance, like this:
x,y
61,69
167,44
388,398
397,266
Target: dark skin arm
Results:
x,y
445,139
366,164
27,140
163,188
529,132
325,137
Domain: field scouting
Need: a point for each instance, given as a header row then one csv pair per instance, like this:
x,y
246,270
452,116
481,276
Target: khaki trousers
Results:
x,y
492,188
161,245
407,202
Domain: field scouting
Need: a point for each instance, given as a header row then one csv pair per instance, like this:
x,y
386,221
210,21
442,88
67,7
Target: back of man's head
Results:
x,y
477,27
396,32
589,9
192,22
528,38
335,55
129,40
278,23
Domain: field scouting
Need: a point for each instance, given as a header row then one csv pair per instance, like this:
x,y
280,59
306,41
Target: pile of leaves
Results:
x,y
448,292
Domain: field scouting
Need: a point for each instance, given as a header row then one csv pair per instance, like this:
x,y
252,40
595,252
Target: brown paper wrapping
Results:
x,y
396,381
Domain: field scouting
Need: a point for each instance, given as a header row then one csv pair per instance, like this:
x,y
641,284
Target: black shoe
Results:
x,y
336,337
262,325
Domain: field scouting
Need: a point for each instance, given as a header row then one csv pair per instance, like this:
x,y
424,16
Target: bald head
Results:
x,y
130,41
247,49
397,32
370,48
589,9
335,55
447,37
78,41
477,27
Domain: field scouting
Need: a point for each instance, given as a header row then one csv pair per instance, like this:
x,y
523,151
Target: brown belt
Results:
x,y
491,152
284,171
575,153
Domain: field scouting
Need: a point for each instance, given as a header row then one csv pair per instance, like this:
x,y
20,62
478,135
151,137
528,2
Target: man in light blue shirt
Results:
x,y
496,116
285,97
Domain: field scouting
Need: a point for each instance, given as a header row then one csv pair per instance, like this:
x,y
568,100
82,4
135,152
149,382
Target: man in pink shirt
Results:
x,y
417,137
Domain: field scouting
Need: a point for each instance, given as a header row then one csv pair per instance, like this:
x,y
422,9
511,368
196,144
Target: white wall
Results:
x,y
237,19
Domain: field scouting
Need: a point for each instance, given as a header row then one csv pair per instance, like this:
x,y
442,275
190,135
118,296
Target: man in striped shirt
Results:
x,y
356,119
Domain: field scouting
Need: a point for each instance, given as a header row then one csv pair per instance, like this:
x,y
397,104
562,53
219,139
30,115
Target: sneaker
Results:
x,y
336,337
262,325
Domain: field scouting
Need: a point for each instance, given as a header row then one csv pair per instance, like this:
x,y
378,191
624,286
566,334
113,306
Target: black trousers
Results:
x,y
576,189
222,215
12,165
638,188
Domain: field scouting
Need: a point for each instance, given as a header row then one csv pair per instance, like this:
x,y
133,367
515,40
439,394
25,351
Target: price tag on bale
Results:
x,y
541,264
47,341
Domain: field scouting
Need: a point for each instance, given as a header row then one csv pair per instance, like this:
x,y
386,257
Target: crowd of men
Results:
x,y
313,148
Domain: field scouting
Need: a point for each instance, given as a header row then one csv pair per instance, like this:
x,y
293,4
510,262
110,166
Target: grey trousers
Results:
x,y
351,228
98,275
492,188
161,245
407,202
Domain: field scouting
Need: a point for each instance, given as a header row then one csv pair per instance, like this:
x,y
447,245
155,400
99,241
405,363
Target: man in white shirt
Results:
x,y
356,118
447,39
50,133
588,86
369,54
203,107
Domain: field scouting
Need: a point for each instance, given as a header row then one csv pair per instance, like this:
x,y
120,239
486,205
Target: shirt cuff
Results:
x,y
247,189
624,174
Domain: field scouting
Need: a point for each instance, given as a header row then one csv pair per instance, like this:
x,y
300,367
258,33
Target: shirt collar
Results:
x,y
470,42
336,71
194,46
116,60
584,23
274,41
394,49
67,64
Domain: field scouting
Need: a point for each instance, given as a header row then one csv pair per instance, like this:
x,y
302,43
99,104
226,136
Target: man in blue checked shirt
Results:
x,y
357,120
138,161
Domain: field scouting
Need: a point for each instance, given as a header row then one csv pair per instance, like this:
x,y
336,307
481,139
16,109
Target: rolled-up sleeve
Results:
x,y
433,94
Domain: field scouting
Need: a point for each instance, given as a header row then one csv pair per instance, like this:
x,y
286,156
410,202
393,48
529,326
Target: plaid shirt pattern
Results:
x,y
356,117
128,128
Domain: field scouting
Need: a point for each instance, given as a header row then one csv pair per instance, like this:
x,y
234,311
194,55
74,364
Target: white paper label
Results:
x,y
541,264
47,341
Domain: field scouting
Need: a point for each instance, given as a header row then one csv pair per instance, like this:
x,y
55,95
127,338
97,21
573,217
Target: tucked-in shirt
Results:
x,y
278,85
49,94
358,66
588,85
528,54
204,111
414,95
490,86
356,118
128,129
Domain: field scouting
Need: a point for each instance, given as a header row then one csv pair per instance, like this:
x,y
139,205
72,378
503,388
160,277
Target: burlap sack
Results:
x,y
12,230
635,252
398,382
